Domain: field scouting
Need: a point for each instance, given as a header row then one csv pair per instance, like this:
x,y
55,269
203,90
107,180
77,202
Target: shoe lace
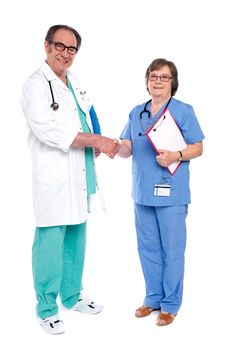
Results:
x,y
54,321
87,301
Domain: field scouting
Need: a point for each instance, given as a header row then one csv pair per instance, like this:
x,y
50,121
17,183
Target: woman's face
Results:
x,y
160,83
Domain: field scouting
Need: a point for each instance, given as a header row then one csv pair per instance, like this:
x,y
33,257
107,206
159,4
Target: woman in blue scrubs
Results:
x,y
160,215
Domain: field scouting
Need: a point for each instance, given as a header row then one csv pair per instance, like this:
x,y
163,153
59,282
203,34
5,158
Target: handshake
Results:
x,y
101,144
108,146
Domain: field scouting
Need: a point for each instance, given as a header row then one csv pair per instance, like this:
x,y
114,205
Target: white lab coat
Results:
x,y
58,171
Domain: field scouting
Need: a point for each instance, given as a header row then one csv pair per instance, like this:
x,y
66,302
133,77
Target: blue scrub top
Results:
x,y
146,173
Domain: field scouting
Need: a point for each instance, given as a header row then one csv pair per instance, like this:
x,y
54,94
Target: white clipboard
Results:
x,y
165,134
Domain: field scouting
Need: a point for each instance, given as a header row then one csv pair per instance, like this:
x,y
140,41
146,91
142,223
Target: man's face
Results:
x,y
58,61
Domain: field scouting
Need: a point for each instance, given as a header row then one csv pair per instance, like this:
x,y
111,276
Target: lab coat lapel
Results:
x,y
81,97
50,76
79,92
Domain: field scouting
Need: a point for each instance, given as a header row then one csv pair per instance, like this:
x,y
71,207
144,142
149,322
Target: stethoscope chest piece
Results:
x,y
54,106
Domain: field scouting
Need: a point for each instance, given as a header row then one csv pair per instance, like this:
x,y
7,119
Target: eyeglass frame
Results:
x,y
64,46
156,77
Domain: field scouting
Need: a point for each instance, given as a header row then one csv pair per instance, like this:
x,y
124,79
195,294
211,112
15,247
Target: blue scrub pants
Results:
x,y
161,237
58,255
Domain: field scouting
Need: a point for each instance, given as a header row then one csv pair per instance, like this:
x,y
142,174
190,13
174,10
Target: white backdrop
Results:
x,y
120,39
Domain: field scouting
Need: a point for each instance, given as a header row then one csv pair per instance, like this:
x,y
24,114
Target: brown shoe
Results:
x,y
144,311
164,319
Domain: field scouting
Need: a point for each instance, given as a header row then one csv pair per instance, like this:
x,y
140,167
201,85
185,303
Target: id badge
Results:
x,y
162,190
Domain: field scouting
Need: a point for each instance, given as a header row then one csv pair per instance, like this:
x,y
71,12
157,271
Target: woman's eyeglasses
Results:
x,y
154,77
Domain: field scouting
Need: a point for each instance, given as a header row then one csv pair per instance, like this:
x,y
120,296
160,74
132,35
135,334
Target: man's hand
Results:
x,y
97,152
100,143
108,146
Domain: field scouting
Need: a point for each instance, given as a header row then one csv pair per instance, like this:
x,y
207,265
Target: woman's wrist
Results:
x,y
180,156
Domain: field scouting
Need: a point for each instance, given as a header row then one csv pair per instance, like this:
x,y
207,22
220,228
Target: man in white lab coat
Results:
x,y
63,134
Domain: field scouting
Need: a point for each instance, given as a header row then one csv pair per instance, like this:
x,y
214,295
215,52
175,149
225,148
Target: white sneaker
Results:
x,y
86,306
52,324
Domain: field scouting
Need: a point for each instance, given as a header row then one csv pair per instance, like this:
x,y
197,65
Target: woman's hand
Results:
x,y
165,158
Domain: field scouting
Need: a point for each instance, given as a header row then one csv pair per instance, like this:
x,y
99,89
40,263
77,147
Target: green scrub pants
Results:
x,y
58,256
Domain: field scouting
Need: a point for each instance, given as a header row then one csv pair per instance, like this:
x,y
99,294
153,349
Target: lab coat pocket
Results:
x,y
96,202
50,167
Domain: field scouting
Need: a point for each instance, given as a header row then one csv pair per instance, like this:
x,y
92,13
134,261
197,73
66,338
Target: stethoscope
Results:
x,y
145,110
54,105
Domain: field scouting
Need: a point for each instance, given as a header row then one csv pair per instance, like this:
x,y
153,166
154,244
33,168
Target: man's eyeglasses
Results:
x,y
72,50
163,77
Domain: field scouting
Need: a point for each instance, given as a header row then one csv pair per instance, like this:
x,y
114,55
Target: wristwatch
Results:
x,y
181,157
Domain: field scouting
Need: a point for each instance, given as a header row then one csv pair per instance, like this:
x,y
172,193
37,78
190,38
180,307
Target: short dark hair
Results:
x,y
52,30
159,63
